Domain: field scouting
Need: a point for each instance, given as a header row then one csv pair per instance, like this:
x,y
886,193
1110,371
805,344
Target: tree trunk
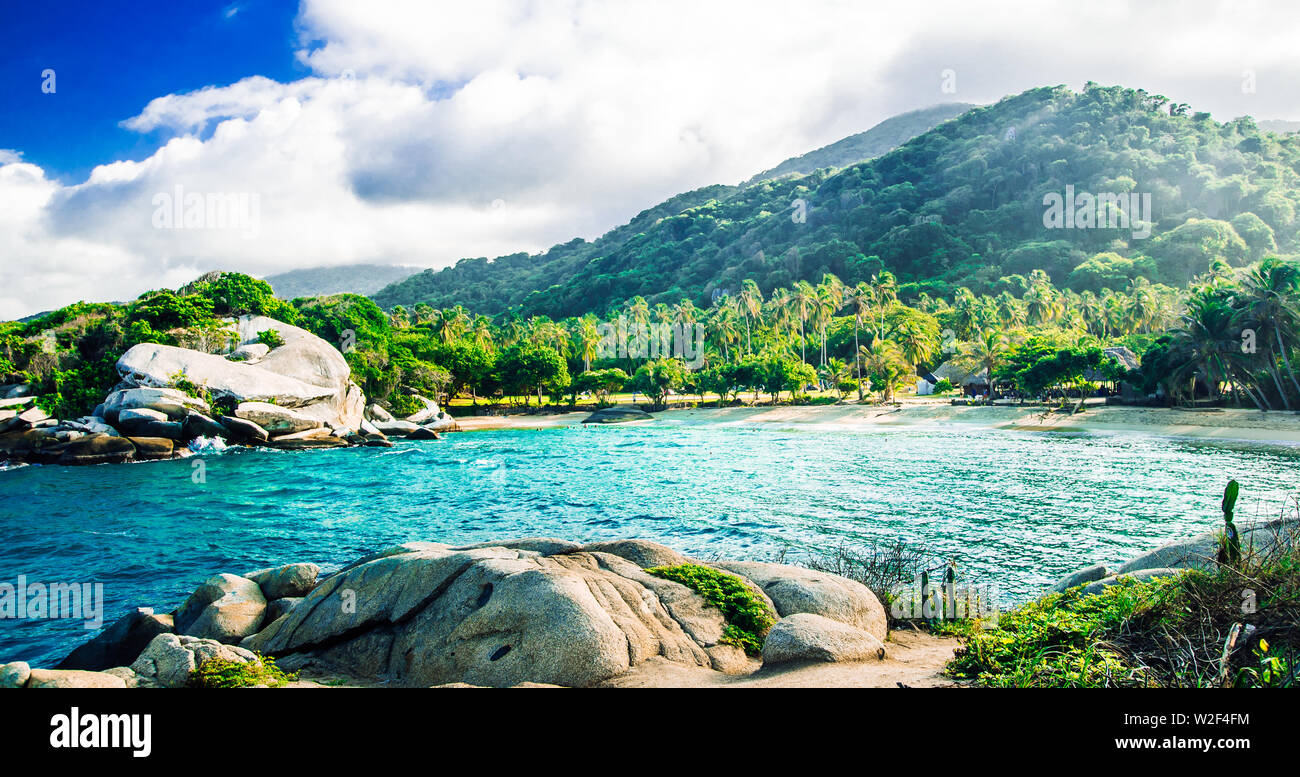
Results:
x,y
1277,332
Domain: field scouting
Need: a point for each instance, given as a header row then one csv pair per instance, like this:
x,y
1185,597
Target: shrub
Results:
x,y
271,338
224,673
748,617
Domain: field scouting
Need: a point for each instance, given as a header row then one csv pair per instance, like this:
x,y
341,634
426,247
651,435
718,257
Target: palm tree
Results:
x,y
830,298
885,363
723,323
751,304
1269,293
885,286
986,352
638,310
1142,304
802,301
586,337
481,333
860,299
915,342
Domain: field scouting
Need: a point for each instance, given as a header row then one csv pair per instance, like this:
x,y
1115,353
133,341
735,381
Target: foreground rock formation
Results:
x,y
537,610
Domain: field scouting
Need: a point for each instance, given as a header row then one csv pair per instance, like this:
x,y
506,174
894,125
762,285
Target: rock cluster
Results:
x,y
299,395
534,610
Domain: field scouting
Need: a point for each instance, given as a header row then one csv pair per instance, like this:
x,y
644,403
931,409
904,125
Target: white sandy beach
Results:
x,y
1251,425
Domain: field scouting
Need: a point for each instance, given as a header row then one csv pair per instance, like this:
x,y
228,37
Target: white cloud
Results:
x,y
576,114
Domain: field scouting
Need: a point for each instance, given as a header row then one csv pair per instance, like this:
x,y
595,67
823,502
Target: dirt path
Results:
x,y
912,659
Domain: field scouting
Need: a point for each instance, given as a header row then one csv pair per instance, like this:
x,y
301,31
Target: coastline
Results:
x,y
1225,424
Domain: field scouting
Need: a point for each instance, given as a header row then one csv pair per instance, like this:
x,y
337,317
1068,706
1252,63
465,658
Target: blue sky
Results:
x,y
111,59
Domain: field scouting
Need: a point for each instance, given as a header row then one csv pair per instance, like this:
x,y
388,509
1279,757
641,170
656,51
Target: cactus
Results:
x,y
1230,553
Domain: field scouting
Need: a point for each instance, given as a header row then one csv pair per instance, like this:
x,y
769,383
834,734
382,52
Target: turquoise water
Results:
x,y
1017,509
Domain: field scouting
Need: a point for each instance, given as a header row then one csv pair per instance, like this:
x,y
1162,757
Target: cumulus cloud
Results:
x,y
432,131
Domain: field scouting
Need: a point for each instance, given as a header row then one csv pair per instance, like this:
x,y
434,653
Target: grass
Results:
x,y
1234,627
748,617
224,673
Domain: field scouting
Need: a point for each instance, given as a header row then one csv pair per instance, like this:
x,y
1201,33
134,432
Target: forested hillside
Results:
x,y
960,205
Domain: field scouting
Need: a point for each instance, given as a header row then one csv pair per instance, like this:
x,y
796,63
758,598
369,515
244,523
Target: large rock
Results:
x,y
545,546
168,660
174,404
14,674
395,428
429,412
73,678
226,608
1080,576
276,420
615,415
643,553
377,413
198,425
150,364
98,449
308,358
143,422
243,431
487,616
251,352
307,440
33,444
152,448
795,589
1258,539
807,637
287,580
120,644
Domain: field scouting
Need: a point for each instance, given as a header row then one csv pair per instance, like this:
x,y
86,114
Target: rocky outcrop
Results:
x,y
226,608
807,637
795,590
305,374
121,643
536,610
169,659
615,415
287,580
72,678
276,420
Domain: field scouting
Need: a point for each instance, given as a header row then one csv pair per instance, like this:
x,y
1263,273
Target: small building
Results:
x,y
969,382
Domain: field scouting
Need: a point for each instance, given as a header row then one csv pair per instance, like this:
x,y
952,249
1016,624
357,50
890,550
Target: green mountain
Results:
x,y
880,139
967,203
353,278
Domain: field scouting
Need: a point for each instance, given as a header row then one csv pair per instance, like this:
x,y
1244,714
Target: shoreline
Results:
x,y
1223,425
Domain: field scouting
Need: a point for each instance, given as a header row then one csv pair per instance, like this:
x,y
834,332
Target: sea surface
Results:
x,y
1016,509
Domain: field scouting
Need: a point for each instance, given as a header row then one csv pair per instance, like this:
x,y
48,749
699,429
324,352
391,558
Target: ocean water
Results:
x,y
1017,510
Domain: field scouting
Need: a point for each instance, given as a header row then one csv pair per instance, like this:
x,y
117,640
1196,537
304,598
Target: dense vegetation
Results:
x,y
1165,632
748,617
960,205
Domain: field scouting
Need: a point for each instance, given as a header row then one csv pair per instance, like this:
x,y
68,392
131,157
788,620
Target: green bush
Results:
x,y
1061,640
223,673
748,617
271,338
